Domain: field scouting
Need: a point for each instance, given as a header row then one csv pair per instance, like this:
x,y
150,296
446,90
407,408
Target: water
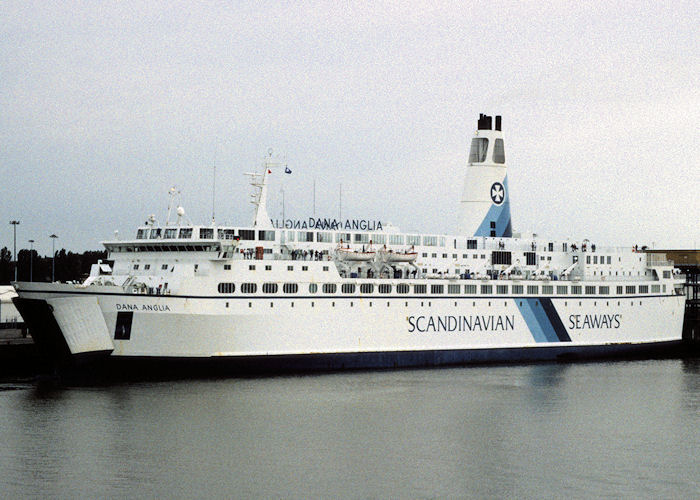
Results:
x,y
617,429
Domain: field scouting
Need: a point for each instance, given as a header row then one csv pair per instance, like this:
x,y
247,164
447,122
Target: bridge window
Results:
x,y
186,233
141,234
206,233
155,233
246,234
170,233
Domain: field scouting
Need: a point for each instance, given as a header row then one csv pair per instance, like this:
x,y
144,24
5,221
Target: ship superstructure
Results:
x,y
323,293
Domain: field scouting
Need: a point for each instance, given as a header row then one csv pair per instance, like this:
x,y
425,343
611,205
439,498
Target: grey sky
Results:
x,y
104,106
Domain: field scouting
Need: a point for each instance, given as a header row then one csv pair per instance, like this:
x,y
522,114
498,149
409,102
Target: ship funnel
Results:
x,y
485,202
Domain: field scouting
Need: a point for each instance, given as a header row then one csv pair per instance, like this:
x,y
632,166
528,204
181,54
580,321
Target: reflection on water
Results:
x,y
595,429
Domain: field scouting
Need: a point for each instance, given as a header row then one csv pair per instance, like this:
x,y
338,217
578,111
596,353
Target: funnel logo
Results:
x,y
498,193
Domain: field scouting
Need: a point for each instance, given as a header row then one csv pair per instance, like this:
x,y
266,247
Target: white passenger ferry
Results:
x,y
330,294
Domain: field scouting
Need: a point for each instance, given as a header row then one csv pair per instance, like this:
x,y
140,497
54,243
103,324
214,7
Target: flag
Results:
x,y
287,170
269,171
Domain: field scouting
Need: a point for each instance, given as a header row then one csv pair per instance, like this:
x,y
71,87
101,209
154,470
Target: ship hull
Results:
x,y
308,333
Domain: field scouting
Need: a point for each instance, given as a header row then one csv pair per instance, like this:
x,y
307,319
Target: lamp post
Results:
x,y
53,257
31,260
15,223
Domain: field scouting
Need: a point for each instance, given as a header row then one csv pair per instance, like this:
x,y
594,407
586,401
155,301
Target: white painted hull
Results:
x,y
205,327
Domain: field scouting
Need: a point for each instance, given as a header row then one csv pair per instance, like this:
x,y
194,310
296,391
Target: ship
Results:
x,y
331,294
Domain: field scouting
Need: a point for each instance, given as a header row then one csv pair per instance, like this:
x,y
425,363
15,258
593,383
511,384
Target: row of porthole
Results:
x,y
505,304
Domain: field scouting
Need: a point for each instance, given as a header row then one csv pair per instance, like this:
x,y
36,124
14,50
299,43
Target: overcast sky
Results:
x,y
105,105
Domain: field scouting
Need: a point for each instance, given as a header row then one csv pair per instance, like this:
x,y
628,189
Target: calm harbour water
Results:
x,y
606,429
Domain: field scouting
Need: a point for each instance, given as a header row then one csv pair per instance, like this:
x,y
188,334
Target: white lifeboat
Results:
x,y
349,255
391,256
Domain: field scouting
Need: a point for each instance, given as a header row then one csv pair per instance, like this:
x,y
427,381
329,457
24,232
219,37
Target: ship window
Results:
x,y
453,289
630,289
366,288
164,267
502,289
609,259
348,288
471,244
532,289
226,234
251,267
530,258
413,239
325,268
575,290
361,238
155,233
206,233
517,289
619,290
246,234
547,289
420,289
266,235
136,266
329,288
290,268
379,239
604,290
170,233
430,241
402,288
290,288
227,287
186,232
147,266
477,154
384,288
396,239
486,289
141,234
562,290
324,237
590,290
500,257
470,289
499,154
344,237
655,288
304,268
437,289
268,268
313,288
249,287
269,288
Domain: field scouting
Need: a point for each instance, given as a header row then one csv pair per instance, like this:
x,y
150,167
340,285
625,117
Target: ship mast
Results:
x,y
259,195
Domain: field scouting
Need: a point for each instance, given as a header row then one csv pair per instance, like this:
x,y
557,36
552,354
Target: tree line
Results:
x,y
69,266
